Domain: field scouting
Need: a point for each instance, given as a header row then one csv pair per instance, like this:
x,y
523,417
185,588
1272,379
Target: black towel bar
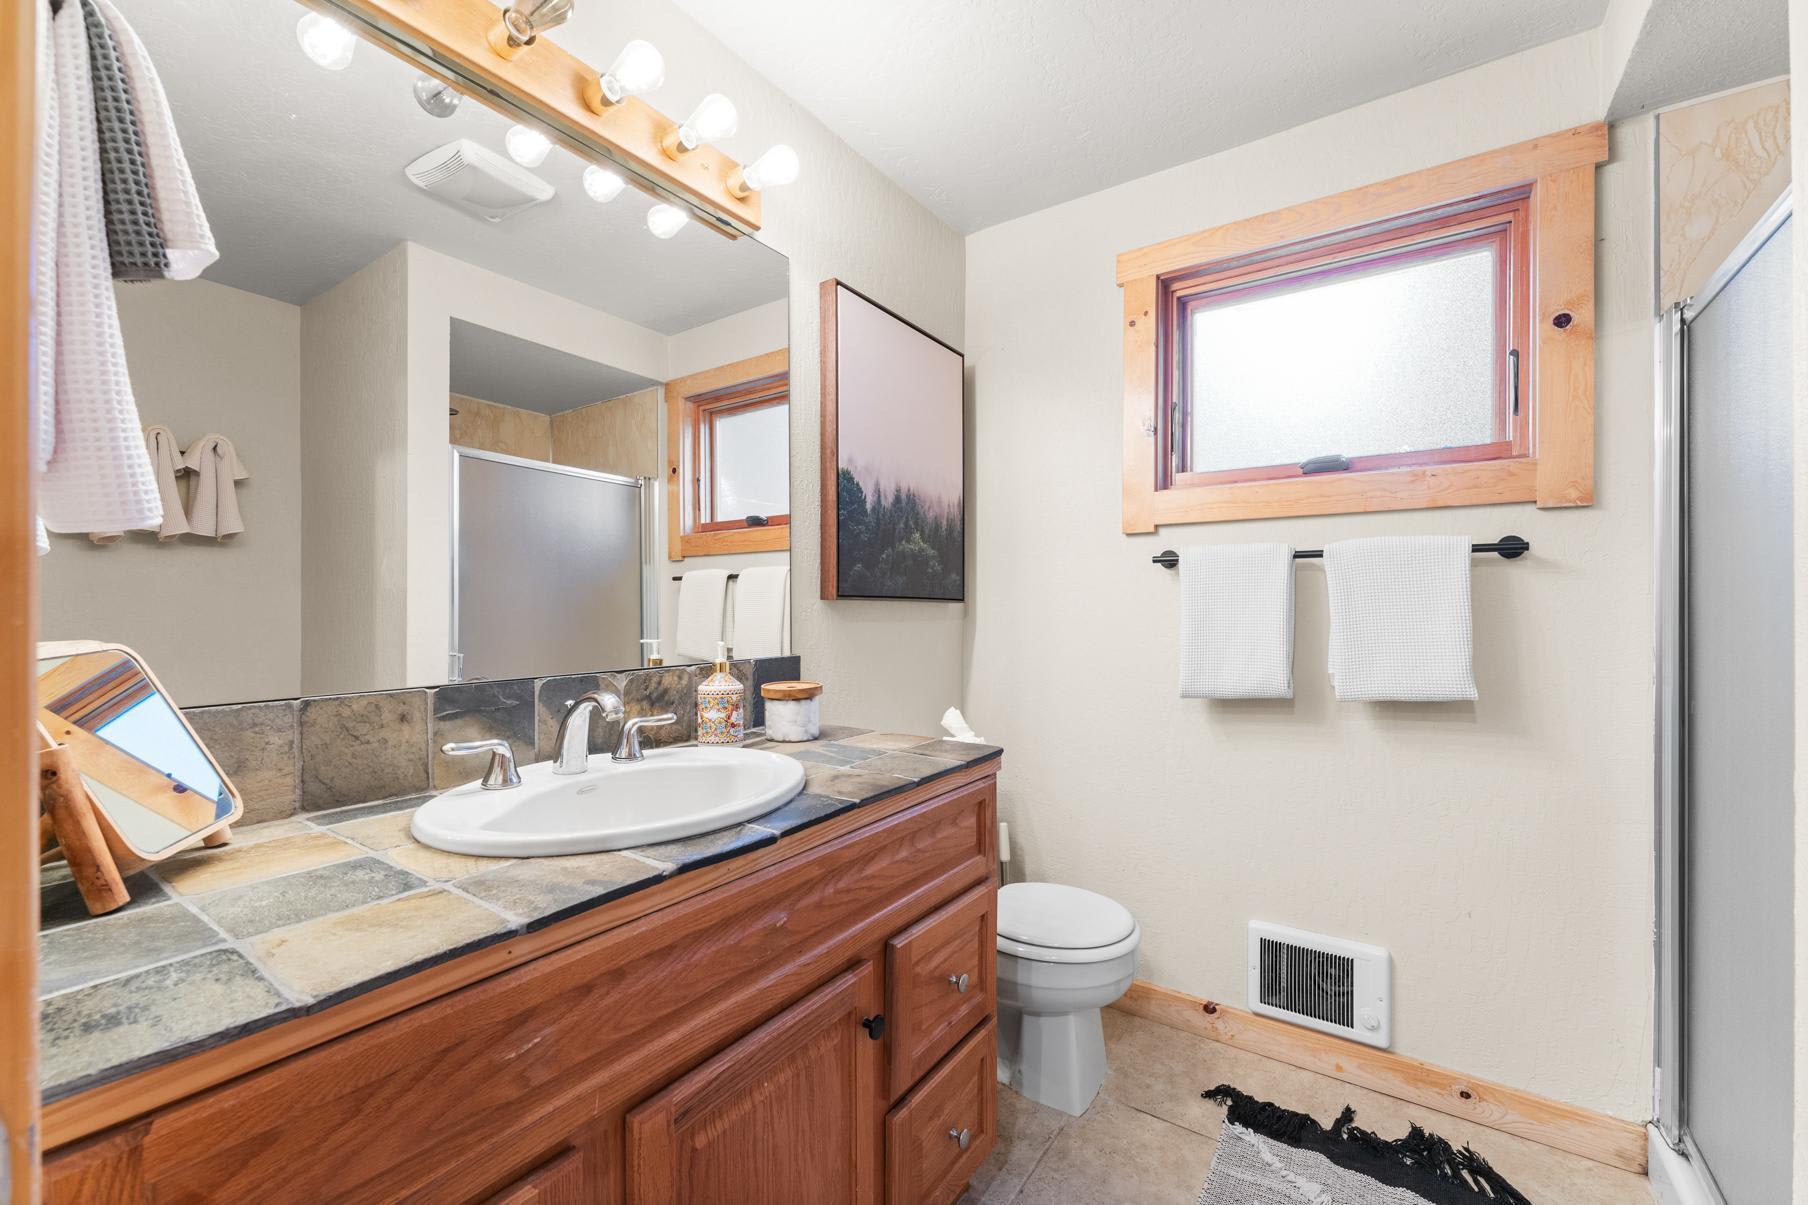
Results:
x,y
1510,547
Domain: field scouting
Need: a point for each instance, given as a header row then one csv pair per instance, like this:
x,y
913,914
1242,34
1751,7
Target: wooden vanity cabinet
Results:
x,y
793,1032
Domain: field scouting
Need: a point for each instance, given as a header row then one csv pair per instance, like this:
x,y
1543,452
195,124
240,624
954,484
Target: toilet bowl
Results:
x,y
1064,953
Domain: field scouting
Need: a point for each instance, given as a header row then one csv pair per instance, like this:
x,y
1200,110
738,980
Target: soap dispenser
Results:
x,y
719,701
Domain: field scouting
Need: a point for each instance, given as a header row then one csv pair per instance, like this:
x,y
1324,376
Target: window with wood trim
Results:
x,y
729,473
1427,341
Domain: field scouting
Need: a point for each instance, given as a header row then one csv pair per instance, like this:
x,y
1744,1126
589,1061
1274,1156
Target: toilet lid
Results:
x,y
1061,917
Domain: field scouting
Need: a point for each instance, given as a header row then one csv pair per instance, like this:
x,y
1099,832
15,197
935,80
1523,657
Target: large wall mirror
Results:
x,y
485,415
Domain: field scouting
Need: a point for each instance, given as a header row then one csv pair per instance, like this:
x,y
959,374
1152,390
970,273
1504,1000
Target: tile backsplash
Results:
x,y
330,751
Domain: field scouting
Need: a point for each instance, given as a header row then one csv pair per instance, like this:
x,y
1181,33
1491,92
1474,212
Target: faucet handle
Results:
x,y
629,748
501,774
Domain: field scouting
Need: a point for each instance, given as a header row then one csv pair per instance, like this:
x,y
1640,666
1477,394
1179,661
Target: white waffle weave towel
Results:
x,y
98,476
1236,621
1400,622
762,611
702,613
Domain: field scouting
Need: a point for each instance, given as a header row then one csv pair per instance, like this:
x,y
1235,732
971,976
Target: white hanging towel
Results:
x,y
213,507
97,476
166,460
1400,622
187,238
1236,621
762,606
46,181
702,595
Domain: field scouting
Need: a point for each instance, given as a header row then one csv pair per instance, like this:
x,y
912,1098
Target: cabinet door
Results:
x,y
786,1116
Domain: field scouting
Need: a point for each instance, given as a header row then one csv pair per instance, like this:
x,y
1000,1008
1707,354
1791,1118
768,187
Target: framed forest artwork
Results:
x,y
894,517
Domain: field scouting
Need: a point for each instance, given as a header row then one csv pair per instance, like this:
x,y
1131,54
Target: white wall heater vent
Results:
x,y
1324,983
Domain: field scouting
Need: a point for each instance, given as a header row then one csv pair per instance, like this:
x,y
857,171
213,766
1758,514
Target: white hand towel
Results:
x,y
166,459
762,604
98,476
45,185
187,238
701,598
1236,621
1400,622
213,508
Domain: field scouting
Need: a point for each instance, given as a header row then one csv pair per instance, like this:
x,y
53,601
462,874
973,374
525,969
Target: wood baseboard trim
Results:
x,y
1513,1111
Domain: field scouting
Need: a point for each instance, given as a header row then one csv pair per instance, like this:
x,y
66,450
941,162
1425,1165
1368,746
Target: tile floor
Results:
x,y
1150,1138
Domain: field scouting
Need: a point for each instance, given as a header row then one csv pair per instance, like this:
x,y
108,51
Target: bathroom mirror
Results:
x,y
154,785
400,275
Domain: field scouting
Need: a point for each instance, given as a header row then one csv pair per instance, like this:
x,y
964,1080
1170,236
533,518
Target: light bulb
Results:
x,y
776,167
527,21
602,184
666,220
713,118
527,146
324,40
638,68
436,97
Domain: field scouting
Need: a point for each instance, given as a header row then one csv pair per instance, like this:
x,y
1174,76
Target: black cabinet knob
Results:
x,y
875,1026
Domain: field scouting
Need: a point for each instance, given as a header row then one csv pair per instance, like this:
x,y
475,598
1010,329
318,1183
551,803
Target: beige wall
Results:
x,y
1720,164
493,427
1501,849
218,621
354,430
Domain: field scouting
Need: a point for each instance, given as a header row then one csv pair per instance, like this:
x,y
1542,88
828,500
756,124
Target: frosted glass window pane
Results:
x,y
753,469
1401,359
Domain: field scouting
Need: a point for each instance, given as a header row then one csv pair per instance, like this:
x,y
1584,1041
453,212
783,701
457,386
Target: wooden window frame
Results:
x,y
693,404
1538,196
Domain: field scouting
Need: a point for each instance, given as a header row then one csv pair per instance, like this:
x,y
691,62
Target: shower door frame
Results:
x,y
1670,536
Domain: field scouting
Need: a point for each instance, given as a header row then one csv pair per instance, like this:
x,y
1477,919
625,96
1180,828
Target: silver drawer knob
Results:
x,y
958,983
964,1137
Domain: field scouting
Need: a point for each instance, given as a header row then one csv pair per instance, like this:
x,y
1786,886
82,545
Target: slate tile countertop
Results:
x,y
299,914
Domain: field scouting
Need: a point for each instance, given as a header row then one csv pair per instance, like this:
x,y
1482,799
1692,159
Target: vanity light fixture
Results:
x,y
324,40
713,118
526,145
436,97
638,68
666,220
776,167
524,22
602,185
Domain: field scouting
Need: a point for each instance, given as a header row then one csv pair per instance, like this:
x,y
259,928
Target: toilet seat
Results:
x,y
1052,922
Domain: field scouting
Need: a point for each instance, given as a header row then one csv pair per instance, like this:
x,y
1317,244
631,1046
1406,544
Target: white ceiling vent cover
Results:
x,y
1324,983
478,180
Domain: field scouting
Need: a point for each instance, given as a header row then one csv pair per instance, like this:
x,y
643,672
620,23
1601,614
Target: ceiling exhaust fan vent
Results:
x,y
1324,983
478,180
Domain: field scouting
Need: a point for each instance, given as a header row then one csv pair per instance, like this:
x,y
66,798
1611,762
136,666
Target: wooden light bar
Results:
x,y
545,84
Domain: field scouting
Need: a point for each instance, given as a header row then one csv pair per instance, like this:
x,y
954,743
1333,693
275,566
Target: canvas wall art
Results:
x,y
893,456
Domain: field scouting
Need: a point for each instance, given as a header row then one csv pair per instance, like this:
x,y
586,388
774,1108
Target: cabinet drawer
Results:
x,y
939,974
939,1136
558,1181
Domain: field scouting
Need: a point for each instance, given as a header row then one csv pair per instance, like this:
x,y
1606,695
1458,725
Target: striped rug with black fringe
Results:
x,y
1268,1155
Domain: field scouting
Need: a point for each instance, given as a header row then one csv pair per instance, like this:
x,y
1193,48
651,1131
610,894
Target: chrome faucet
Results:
x,y
573,741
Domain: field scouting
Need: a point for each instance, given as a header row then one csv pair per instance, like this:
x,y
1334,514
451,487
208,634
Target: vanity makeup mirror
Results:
x,y
147,785
448,374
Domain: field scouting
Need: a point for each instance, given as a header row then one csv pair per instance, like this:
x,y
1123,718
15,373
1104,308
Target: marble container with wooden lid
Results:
x,y
793,710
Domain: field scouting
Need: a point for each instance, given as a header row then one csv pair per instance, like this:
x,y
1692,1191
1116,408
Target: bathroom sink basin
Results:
x,y
669,794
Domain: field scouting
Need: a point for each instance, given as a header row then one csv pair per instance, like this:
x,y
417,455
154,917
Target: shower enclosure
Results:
x,y
549,568
1725,726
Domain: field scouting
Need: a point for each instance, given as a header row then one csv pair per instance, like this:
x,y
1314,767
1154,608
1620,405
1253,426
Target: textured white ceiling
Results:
x,y
495,367
985,110
300,171
1690,48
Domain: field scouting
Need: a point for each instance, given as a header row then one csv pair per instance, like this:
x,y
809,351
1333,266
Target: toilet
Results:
x,y
1064,953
